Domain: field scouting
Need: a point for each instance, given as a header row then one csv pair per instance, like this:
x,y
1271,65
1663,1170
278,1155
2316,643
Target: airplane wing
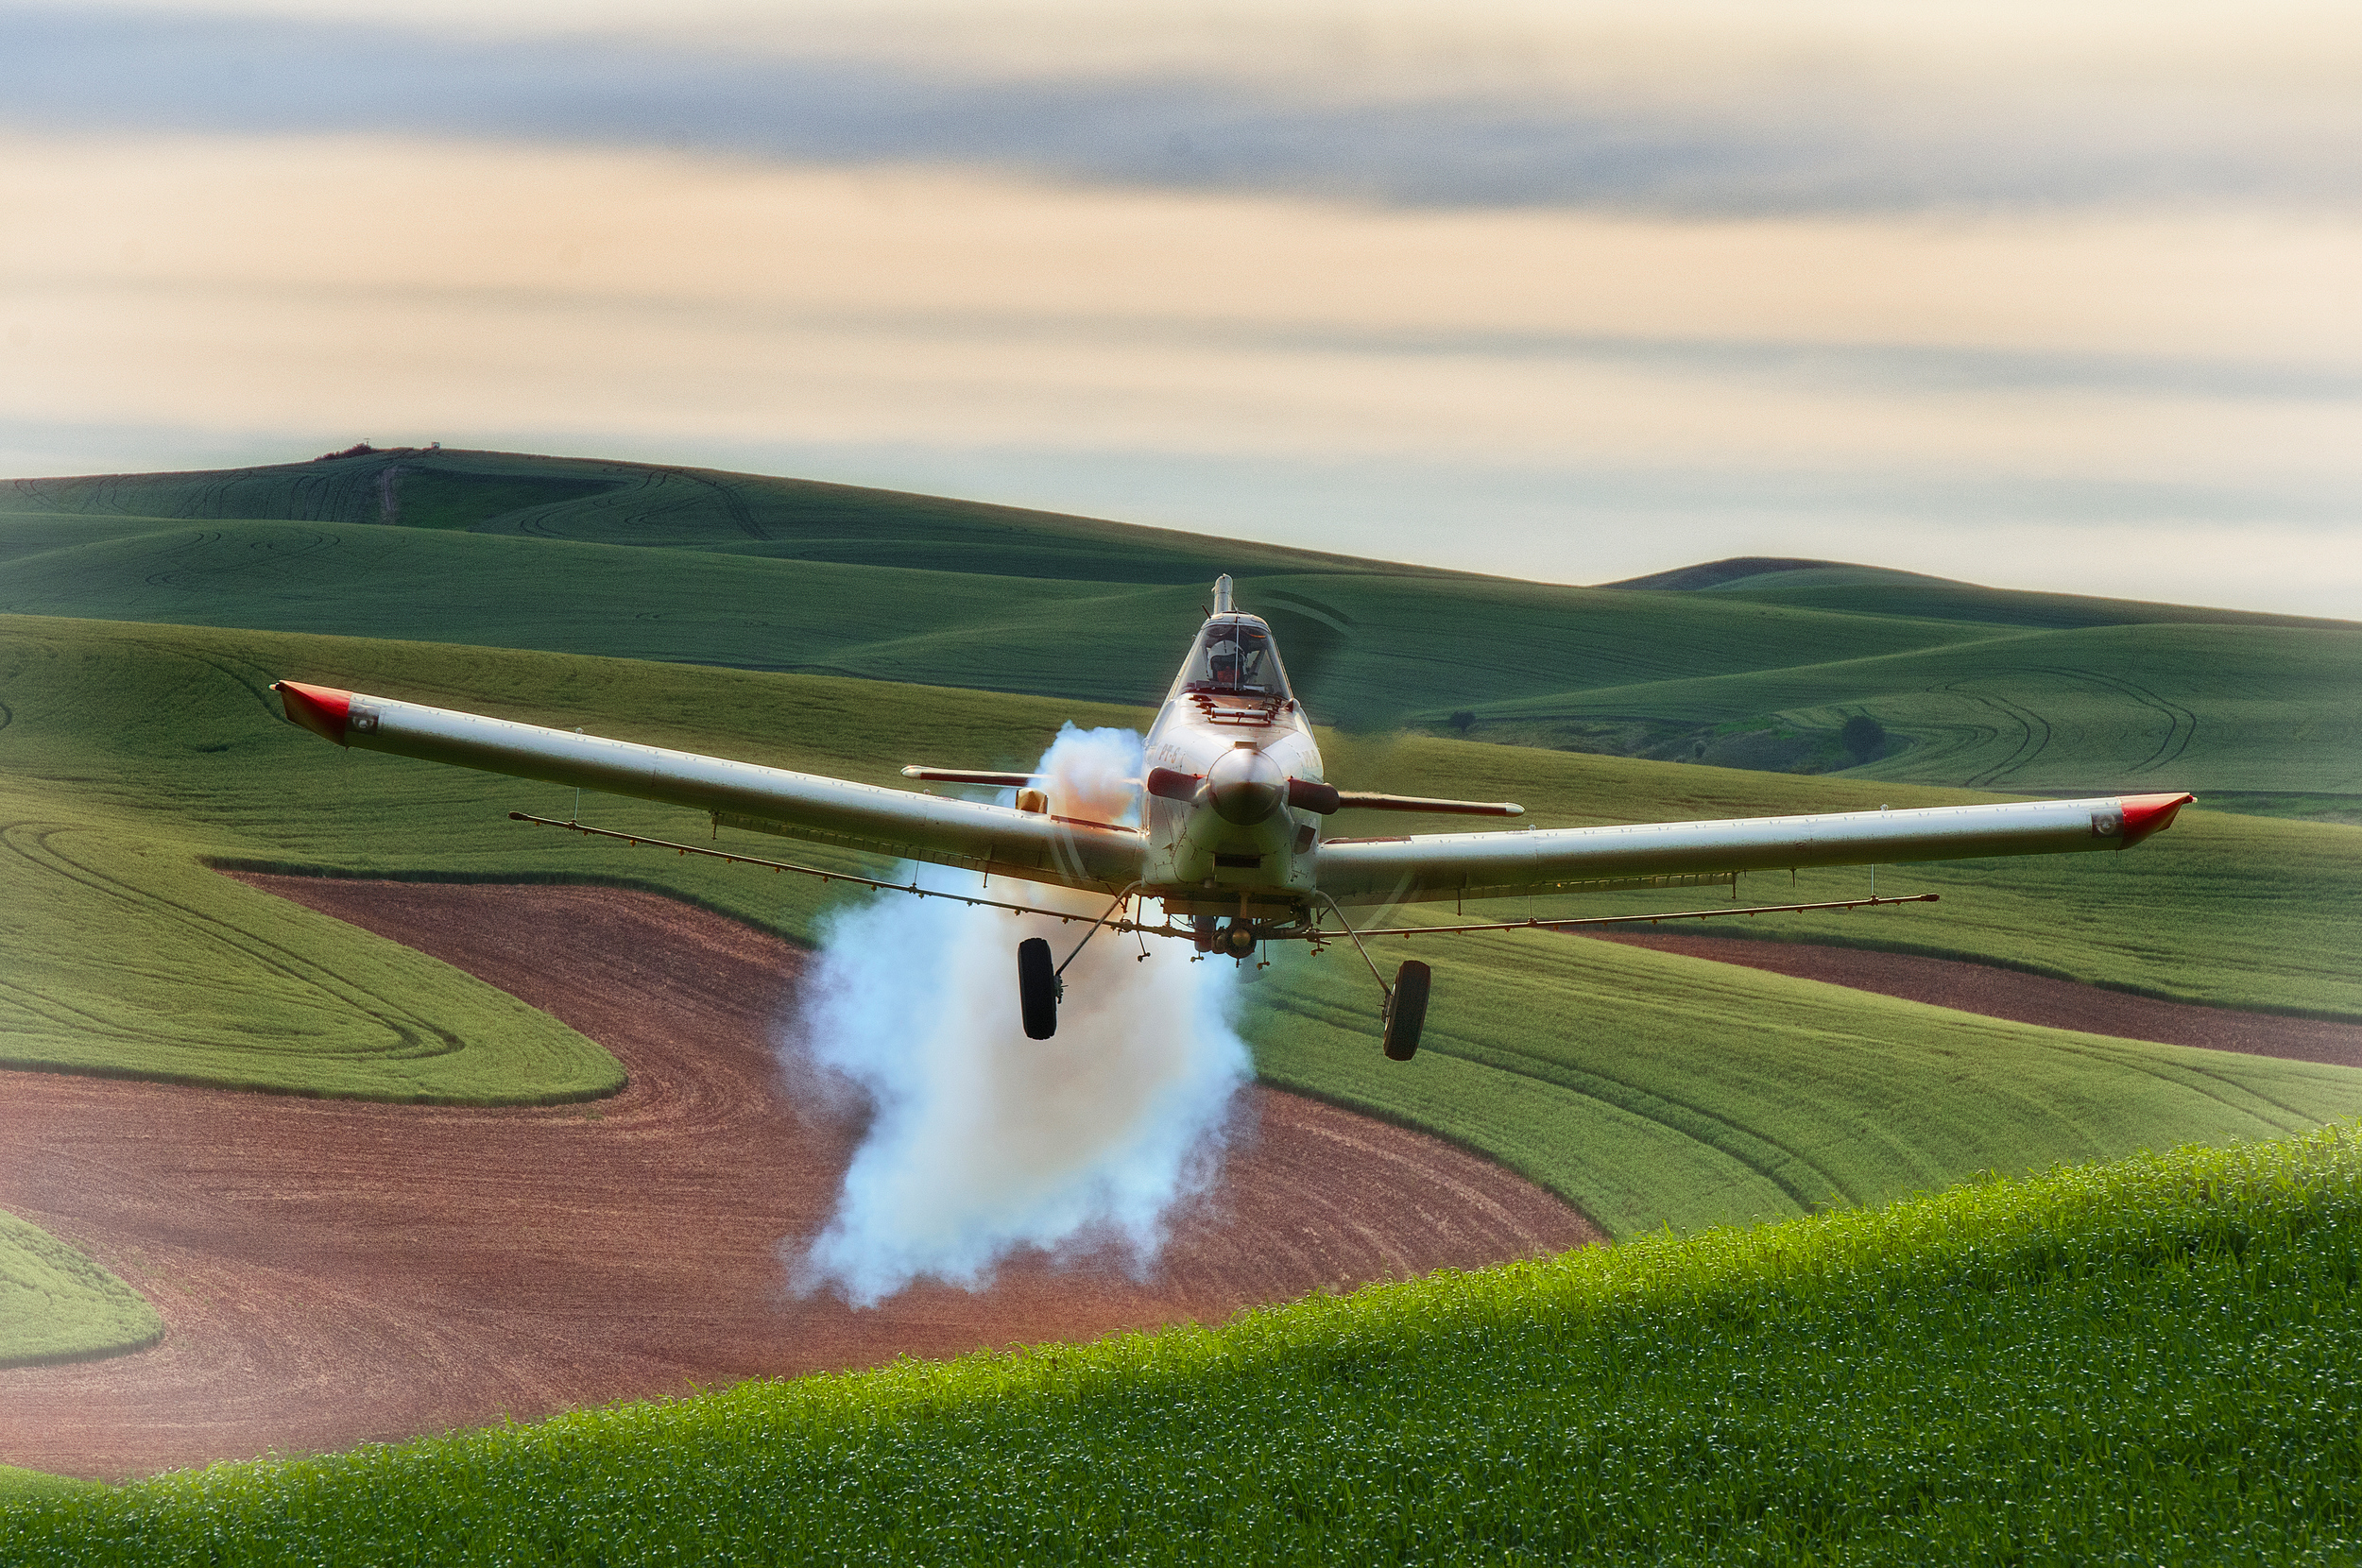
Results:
x,y
1485,866
995,839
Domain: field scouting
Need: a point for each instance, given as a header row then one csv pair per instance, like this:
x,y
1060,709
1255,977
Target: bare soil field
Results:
x,y
334,1271
2027,998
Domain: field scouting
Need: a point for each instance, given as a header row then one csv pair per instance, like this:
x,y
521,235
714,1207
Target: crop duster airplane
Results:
x,y
1234,839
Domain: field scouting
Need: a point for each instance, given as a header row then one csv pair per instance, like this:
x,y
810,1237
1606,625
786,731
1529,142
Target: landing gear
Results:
x,y
1405,1010
1038,988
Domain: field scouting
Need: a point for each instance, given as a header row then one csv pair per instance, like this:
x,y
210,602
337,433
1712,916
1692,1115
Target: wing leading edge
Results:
x,y
1480,865
991,839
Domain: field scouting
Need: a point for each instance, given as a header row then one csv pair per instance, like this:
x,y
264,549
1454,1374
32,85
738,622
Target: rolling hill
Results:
x,y
1853,590
2089,709
1746,663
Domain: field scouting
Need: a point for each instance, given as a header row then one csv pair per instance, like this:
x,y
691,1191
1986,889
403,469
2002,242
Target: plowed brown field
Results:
x,y
333,1271
2028,998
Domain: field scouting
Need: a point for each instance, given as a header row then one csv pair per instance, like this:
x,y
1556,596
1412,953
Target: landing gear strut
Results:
x,y
1405,1013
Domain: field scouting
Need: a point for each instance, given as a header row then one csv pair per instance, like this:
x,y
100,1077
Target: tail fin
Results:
x,y
1222,594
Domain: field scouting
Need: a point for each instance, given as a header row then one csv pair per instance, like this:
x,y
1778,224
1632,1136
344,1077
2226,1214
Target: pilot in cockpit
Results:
x,y
1237,656
1224,661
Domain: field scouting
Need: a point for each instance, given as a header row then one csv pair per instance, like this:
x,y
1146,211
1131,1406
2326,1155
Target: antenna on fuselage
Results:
x,y
1222,594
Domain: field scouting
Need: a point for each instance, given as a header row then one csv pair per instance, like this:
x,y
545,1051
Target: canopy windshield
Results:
x,y
1236,655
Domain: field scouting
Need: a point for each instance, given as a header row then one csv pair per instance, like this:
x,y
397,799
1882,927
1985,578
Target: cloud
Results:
x,y
1652,127
1562,394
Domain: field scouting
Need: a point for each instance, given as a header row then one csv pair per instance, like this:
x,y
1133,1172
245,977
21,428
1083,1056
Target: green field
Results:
x,y
1648,1089
782,574
1978,686
1095,639
134,756
1881,591
2142,1362
2098,710
596,502
18,1485
56,1304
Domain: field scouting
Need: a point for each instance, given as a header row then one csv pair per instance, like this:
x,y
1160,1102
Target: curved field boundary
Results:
x,y
1999,993
334,1271
57,1305
207,983
2181,722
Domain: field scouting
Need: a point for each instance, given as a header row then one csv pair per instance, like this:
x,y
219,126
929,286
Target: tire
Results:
x,y
1038,988
1405,1011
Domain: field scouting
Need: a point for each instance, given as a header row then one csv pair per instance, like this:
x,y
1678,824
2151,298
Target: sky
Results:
x,y
2058,296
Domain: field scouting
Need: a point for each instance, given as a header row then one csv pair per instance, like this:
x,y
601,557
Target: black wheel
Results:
x,y
1038,988
1406,1011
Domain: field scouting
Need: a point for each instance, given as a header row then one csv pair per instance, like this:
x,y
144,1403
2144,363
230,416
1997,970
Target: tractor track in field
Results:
x,y
2030,745
412,1035
2181,722
337,1271
2034,731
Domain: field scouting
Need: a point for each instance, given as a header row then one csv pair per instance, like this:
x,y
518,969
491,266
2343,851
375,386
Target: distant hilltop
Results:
x,y
1738,568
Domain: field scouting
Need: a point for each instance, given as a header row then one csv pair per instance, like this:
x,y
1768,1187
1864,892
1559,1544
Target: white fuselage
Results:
x,y
1237,848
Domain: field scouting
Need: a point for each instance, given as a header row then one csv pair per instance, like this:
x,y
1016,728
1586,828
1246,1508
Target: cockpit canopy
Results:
x,y
1234,653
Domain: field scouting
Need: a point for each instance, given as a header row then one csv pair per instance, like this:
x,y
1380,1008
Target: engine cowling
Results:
x,y
1244,787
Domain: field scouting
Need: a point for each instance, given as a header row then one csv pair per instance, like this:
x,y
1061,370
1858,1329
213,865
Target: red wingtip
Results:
x,y
2147,814
322,710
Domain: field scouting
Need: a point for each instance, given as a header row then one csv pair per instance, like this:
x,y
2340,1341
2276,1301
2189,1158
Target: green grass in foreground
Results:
x,y
56,1304
2151,1361
1646,1089
16,1484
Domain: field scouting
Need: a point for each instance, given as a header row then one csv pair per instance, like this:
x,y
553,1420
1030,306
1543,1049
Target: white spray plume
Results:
x,y
983,1141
